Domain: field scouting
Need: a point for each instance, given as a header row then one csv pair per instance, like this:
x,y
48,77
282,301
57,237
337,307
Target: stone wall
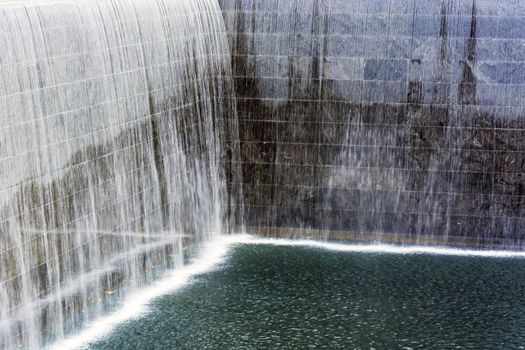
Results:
x,y
362,118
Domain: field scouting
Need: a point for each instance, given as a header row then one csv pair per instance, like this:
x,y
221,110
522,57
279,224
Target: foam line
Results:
x,y
212,254
376,248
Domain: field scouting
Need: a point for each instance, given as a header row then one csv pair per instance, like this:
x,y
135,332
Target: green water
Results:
x,y
270,297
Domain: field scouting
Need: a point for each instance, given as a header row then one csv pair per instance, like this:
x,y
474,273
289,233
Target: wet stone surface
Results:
x,y
425,98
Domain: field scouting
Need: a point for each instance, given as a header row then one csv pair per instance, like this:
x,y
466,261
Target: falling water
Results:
x,y
115,116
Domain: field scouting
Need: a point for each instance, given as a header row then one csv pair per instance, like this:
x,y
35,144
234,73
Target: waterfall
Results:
x,y
115,116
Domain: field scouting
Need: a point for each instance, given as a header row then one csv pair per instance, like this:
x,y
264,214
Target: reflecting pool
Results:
x,y
282,297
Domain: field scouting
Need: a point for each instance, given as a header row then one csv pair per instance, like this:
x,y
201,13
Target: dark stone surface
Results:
x,y
399,117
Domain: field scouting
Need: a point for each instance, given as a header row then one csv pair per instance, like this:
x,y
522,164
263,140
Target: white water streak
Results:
x,y
377,248
136,304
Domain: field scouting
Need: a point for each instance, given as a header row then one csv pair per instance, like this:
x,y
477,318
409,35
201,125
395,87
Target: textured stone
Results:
x,y
409,115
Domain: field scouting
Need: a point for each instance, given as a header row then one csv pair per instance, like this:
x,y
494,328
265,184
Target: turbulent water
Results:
x,y
114,118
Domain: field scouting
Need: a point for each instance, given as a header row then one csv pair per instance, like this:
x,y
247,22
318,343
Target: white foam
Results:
x,y
136,304
376,248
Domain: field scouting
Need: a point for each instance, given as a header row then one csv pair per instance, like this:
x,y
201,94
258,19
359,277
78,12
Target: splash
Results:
x,y
136,305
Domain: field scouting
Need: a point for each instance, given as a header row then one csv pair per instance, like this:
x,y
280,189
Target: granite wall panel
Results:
x,y
396,120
